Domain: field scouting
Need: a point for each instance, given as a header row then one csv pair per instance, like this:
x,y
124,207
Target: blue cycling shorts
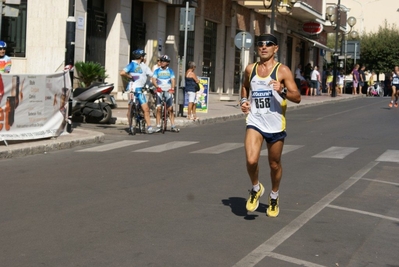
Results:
x,y
168,97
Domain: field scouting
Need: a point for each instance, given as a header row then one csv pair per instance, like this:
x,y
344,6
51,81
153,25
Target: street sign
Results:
x,y
351,48
243,40
190,19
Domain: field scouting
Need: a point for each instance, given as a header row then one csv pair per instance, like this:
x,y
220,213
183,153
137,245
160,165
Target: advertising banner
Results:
x,y
201,97
33,106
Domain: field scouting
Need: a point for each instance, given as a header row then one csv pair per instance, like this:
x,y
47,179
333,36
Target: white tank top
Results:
x,y
268,108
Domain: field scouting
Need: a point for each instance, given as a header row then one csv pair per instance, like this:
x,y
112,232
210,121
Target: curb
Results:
x,y
78,137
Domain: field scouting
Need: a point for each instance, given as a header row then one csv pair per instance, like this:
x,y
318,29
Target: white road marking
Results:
x,y
219,148
293,260
262,251
390,156
166,147
336,152
365,213
379,181
286,149
111,146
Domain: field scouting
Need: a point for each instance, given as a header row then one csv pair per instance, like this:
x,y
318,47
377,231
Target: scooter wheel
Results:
x,y
107,112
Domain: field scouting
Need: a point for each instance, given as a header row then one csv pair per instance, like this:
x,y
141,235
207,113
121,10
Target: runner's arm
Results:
x,y
285,76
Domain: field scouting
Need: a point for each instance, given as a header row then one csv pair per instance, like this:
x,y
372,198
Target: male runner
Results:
x,y
267,85
395,87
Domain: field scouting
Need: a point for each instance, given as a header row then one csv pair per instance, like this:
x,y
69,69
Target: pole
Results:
x,y
334,84
241,62
185,47
70,54
273,17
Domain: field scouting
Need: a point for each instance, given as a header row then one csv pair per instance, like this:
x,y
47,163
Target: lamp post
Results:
x,y
273,6
334,13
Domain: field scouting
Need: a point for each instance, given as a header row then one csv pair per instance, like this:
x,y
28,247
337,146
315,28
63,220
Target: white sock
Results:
x,y
274,195
159,125
256,187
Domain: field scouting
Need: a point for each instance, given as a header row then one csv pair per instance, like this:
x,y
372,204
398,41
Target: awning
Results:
x,y
315,43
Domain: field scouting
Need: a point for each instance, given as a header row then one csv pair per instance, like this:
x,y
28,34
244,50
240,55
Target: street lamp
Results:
x,y
273,8
334,16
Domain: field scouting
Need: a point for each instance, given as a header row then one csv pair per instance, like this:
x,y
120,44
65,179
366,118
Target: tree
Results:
x,y
380,51
89,72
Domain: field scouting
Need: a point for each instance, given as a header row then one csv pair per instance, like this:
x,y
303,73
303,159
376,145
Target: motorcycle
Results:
x,y
94,103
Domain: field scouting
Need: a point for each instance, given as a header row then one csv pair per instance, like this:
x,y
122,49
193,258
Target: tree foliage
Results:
x,y
379,51
89,72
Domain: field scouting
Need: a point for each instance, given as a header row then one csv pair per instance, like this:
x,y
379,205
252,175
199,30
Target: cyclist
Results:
x,y
137,72
5,61
395,87
164,80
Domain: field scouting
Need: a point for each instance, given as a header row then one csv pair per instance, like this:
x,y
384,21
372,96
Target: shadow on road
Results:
x,y
237,205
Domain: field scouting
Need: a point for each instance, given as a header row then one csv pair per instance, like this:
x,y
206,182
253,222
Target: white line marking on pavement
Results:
x,y
390,156
259,253
365,213
379,181
113,146
293,260
166,147
219,148
286,149
336,152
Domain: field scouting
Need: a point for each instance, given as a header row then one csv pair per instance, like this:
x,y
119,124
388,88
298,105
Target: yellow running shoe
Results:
x,y
273,210
253,200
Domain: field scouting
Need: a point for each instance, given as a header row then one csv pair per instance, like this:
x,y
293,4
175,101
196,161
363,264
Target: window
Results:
x,y
13,30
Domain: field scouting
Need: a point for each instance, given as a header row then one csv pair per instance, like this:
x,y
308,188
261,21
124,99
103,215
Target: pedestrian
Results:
x,y
137,72
298,76
164,80
329,80
308,71
363,81
156,66
340,82
192,82
267,86
395,87
5,61
315,81
355,78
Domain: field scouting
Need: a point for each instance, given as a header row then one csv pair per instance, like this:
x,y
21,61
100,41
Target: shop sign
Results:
x,y
312,27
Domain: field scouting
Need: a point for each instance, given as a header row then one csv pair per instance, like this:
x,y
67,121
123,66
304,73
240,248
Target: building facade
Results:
x,y
107,31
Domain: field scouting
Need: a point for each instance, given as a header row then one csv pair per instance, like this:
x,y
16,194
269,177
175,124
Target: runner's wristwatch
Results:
x,y
284,92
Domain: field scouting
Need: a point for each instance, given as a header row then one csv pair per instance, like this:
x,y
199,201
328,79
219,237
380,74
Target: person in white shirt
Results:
x,y
298,76
315,81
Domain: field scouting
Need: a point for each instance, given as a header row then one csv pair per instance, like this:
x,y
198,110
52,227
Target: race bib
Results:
x,y
262,102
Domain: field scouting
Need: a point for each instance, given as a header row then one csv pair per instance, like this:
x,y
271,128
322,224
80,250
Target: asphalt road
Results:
x,y
178,199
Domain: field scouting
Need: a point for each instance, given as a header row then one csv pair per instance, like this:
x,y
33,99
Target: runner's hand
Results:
x,y
171,91
276,86
159,90
245,107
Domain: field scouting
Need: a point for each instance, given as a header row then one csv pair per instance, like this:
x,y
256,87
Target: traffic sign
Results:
x,y
243,40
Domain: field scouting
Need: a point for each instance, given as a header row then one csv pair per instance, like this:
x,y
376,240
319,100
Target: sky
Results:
x,y
370,14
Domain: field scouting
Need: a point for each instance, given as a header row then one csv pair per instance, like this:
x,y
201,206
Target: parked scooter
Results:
x,y
94,103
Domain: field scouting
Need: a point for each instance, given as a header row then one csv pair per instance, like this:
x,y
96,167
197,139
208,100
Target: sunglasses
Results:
x,y
265,43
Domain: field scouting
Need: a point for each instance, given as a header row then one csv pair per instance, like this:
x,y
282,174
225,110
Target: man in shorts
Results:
x,y
395,87
356,79
164,81
267,86
137,72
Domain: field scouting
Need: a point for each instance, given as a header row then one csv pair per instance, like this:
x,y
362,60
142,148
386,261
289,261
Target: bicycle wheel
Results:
x,y
133,118
164,117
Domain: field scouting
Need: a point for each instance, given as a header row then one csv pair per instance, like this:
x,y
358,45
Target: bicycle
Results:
x,y
136,115
164,113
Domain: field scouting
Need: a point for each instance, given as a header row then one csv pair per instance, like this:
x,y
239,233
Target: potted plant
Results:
x,y
89,72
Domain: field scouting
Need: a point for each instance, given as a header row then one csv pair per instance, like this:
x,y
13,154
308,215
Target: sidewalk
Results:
x,y
217,111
